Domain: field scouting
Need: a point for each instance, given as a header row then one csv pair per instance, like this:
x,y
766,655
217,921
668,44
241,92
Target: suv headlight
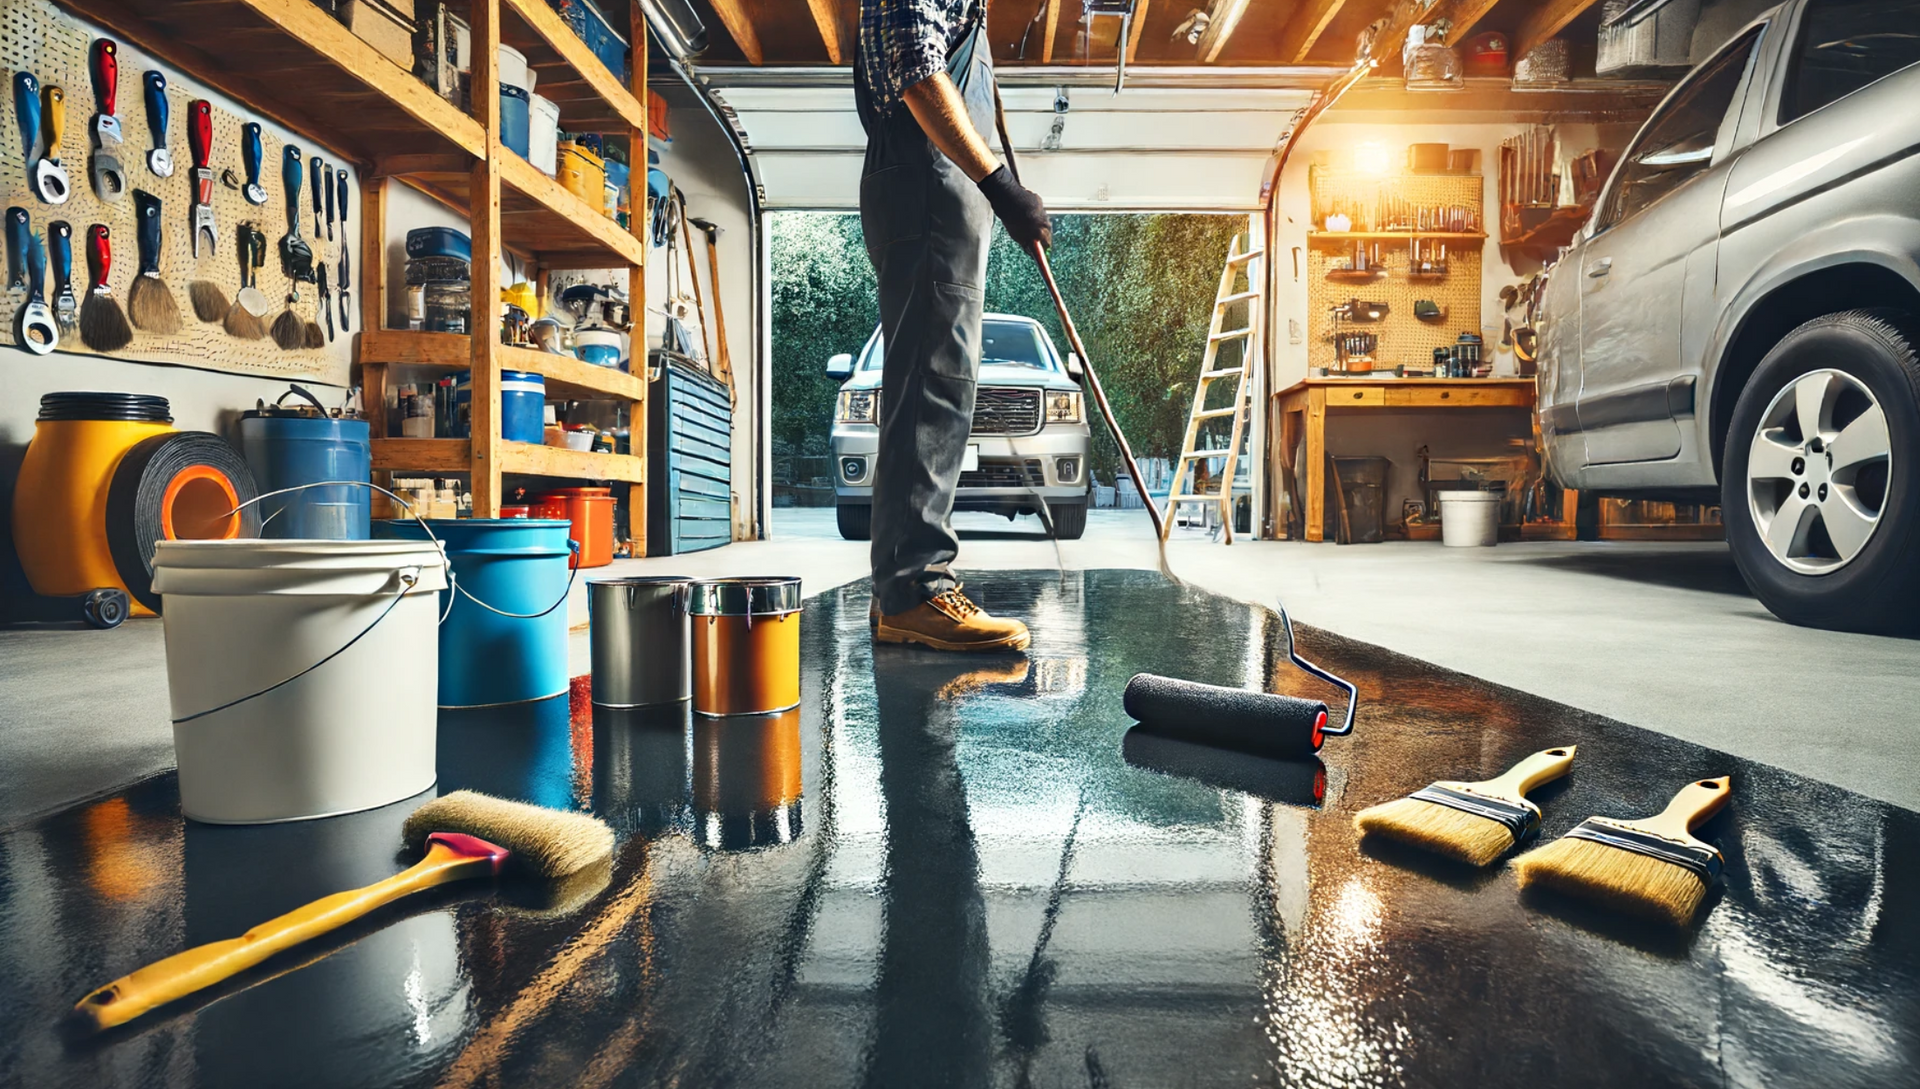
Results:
x,y
1063,406
860,406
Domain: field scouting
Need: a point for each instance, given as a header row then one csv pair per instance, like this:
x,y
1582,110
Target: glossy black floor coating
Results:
x,y
946,871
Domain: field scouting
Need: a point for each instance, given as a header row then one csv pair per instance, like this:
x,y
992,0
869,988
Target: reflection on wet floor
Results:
x,y
952,870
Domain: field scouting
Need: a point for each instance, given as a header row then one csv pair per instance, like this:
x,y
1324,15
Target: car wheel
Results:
x,y
856,521
1820,489
1069,520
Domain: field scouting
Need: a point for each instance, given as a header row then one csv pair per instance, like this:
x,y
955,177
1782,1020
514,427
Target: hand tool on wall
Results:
x,y
49,177
723,362
159,160
37,329
296,257
66,305
326,299
106,84
26,112
252,151
200,141
315,166
346,258
103,326
1653,868
109,179
463,835
245,318
1474,823
17,221
149,302
326,185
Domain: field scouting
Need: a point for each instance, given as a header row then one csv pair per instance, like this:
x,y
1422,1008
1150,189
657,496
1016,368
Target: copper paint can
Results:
x,y
746,781
746,645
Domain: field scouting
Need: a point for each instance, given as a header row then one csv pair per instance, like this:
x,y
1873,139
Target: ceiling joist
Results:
x,y
1053,28
1546,20
1226,19
826,16
1466,14
1309,21
740,27
1139,23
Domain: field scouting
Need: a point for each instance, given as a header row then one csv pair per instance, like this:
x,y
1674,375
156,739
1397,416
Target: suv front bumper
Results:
x,y
1014,470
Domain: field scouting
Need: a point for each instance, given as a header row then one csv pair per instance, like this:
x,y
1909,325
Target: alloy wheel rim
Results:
x,y
1818,471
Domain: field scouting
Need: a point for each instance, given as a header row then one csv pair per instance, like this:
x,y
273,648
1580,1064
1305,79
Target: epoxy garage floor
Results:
x,y
966,871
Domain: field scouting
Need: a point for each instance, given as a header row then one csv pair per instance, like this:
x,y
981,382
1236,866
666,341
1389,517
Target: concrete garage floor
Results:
x,y
1660,636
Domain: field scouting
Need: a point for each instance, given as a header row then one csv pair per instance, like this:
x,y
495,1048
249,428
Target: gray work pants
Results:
x,y
927,229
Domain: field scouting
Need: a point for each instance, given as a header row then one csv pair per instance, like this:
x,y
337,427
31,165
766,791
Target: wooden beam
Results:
x,y
1544,22
1139,24
1303,30
826,16
1053,27
1466,14
740,27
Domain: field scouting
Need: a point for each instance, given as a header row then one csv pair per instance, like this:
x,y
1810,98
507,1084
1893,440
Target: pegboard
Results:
x,y
1367,197
1404,339
37,37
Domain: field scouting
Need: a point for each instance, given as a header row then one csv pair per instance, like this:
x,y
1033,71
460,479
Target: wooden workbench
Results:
x,y
1307,403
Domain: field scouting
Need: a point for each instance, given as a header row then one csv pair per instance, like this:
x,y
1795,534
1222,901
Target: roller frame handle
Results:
x,y
291,167
1696,802
156,94
26,111
99,256
18,226
106,74
450,857
147,231
60,244
1542,767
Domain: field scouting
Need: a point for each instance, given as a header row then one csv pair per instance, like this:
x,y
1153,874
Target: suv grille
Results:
x,y
1001,411
1005,474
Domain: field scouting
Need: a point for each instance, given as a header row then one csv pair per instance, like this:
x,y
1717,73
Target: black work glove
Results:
x,y
1019,209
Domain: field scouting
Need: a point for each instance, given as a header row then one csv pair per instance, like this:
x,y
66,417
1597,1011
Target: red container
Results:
x,y
591,512
516,512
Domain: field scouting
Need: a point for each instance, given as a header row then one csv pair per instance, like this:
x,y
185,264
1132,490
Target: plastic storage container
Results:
x,y
589,512
543,134
583,173
512,67
515,565
600,347
439,242
286,449
1469,519
243,616
746,645
642,640
515,119
523,403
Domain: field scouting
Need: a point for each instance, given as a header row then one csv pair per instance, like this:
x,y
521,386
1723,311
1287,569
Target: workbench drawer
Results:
x,y
1357,397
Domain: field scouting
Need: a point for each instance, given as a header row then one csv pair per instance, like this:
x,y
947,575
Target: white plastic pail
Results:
x,y
243,616
1468,519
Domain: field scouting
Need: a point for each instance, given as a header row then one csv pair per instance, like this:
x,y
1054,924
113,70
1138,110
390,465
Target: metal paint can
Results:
x,y
746,645
641,640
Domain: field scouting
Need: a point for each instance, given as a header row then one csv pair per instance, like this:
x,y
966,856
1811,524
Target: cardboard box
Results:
x,y
386,25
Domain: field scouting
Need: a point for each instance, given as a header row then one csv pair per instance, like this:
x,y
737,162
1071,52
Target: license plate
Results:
x,y
971,462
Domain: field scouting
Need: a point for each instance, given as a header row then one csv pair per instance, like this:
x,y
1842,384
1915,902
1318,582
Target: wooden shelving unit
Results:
x,y
1396,236
290,61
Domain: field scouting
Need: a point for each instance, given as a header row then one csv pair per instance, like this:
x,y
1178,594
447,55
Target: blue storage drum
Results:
x,y
523,407
287,446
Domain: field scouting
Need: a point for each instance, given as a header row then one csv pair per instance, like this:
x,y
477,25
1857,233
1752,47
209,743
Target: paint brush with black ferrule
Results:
x,y
149,301
463,835
1474,823
1652,868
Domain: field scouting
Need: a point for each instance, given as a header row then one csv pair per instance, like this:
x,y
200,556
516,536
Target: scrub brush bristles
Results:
x,y
1453,833
1474,823
289,332
241,323
103,327
150,304
550,842
209,302
1652,868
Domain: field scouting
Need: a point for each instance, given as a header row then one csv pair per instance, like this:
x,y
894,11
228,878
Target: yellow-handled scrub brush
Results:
x,y
1652,868
464,834
1474,823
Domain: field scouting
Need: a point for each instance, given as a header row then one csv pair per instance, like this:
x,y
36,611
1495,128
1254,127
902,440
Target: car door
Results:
x,y
1650,256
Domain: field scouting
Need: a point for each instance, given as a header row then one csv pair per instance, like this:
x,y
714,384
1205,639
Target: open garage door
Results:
x,y
1173,139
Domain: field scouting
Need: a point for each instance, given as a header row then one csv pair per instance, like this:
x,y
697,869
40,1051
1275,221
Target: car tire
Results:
x,y
1069,520
856,520
1826,529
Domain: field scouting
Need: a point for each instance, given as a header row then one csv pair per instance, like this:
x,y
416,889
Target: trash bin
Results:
x,y
1363,481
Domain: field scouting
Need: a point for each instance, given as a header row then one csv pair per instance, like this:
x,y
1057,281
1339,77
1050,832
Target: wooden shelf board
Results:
x,y
292,62
530,458
540,220
1391,236
567,378
423,455
591,99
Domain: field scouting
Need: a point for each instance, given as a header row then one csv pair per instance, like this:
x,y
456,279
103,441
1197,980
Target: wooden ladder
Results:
x,y
1210,372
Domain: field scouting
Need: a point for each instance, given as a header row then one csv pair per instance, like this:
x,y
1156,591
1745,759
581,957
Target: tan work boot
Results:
x,y
951,622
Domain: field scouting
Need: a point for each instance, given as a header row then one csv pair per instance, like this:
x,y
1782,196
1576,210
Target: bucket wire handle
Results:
x,y
573,549
446,562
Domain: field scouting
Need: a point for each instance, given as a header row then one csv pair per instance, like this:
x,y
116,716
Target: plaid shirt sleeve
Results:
x,y
905,41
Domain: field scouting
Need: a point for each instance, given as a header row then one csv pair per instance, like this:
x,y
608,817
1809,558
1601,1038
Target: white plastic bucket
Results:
x,y
357,731
512,67
543,135
1469,519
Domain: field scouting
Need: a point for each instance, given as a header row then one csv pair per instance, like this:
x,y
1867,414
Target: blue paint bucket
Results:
x,y
286,450
516,119
515,565
523,407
